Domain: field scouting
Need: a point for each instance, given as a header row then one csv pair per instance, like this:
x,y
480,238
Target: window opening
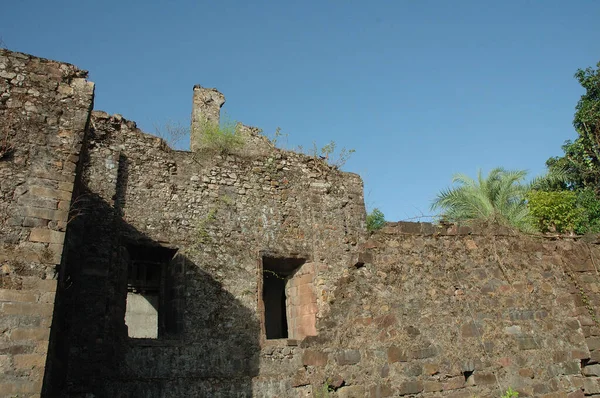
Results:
x,y
147,269
287,297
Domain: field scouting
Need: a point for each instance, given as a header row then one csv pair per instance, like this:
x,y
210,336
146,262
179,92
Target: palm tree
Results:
x,y
499,198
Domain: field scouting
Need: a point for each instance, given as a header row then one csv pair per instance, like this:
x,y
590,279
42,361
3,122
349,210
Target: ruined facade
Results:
x,y
133,270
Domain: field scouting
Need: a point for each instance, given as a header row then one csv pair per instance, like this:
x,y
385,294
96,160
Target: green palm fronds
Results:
x,y
497,198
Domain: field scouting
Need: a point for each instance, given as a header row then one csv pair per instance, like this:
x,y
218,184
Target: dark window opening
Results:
x,y
147,283
276,273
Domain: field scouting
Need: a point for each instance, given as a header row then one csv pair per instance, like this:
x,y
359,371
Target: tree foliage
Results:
x,y
588,201
581,159
579,169
497,198
565,200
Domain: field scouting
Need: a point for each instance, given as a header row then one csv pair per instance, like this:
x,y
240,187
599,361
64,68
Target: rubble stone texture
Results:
x,y
207,103
44,109
93,210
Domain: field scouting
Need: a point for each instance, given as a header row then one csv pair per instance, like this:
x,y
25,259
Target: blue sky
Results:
x,y
420,89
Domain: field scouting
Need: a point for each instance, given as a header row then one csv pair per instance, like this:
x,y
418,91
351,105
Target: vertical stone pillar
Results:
x,y
207,103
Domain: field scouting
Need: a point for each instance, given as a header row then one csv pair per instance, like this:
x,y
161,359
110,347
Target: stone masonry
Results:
x,y
44,110
435,312
129,269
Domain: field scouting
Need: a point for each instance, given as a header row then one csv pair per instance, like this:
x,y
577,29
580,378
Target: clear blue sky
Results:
x,y
421,89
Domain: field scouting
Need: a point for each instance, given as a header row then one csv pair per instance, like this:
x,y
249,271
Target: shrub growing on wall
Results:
x,y
554,211
375,220
223,138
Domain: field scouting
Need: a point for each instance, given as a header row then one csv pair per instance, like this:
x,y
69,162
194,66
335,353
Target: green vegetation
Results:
x,y
337,161
278,135
201,231
510,393
565,200
589,201
375,220
554,211
581,160
323,391
223,138
572,202
327,153
498,198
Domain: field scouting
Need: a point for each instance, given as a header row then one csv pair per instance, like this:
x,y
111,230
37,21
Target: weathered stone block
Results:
x,y
65,186
380,391
410,387
484,378
453,383
431,368
34,222
46,214
31,201
413,370
351,392
527,343
17,296
591,385
422,353
583,266
49,193
30,334
5,363
595,356
29,361
314,358
14,387
396,354
27,309
593,343
591,370
47,297
469,329
527,373
432,386
41,285
64,205
576,394
409,227
348,357
46,236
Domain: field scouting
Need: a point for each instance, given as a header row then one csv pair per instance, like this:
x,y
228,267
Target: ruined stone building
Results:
x,y
129,269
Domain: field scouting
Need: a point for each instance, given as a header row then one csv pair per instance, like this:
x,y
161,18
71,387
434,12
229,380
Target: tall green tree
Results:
x,y
497,198
578,168
581,159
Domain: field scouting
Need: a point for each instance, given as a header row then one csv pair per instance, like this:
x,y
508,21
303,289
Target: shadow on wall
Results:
x,y
206,342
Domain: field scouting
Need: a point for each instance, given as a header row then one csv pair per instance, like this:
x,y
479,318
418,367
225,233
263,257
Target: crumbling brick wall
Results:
x,y
44,109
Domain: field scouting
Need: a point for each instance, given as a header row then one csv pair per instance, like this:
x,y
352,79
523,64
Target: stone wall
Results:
x,y
430,312
223,216
44,109
206,243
